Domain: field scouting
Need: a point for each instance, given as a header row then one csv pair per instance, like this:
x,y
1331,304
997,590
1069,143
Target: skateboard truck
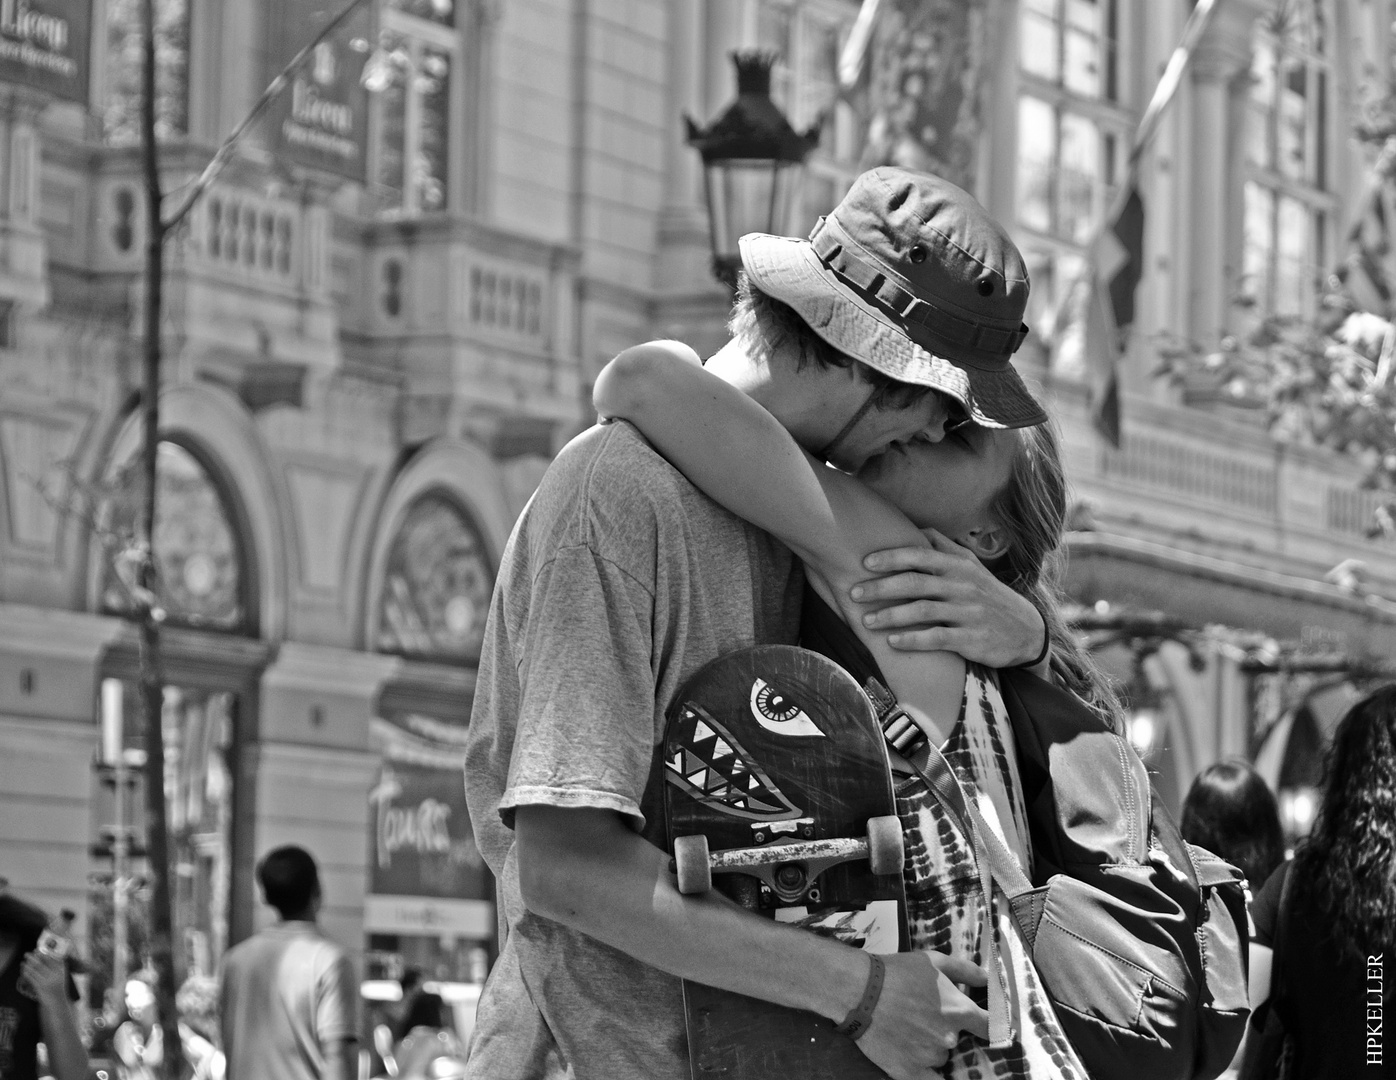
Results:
x,y
788,870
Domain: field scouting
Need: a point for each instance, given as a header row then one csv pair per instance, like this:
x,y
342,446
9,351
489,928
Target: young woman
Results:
x,y
1335,992
1231,811
1000,494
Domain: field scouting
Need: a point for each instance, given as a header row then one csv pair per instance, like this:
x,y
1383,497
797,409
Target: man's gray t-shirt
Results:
x,y
620,580
285,994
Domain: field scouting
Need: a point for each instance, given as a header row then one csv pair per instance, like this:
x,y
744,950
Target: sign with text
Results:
x,y
421,844
321,119
428,916
46,44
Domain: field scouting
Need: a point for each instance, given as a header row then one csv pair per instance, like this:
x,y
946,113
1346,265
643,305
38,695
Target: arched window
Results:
x,y
199,556
436,586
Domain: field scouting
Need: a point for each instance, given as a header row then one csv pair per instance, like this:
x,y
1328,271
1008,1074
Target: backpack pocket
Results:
x,y
1222,941
1123,1004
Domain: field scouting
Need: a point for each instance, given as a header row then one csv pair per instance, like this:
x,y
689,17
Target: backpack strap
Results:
x,y
995,862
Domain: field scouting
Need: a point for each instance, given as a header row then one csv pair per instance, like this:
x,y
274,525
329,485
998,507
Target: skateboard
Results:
x,y
778,793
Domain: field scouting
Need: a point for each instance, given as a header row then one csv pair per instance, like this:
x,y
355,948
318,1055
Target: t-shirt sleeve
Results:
x,y
1265,908
585,735
335,1017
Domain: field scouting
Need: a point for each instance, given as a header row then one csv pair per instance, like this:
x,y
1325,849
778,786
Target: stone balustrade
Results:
x,y
1220,486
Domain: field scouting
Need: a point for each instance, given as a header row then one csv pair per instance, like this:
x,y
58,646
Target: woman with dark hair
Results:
x,y
1334,984
1232,813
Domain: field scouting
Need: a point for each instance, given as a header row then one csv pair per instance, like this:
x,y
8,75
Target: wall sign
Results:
x,y
421,844
46,44
321,119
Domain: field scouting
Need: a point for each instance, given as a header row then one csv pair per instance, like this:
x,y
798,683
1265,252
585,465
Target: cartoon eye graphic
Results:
x,y
779,714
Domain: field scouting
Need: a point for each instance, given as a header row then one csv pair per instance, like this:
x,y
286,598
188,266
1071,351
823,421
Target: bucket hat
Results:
x,y
910,275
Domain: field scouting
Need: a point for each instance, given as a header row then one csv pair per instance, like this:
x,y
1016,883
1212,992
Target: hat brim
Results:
x,y
788,269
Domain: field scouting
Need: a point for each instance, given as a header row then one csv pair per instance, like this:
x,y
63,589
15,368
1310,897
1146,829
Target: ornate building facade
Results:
x,y
383,320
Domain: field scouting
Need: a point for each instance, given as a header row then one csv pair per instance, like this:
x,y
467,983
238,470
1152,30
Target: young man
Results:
x,y
621,580
288,998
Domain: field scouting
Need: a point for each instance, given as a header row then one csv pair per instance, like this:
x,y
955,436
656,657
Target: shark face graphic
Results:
x,y
708,763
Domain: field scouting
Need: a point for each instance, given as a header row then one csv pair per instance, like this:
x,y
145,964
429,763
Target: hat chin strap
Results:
x,y
847,429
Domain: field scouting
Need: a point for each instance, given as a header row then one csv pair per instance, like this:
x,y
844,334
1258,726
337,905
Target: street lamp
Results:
x,y
753,162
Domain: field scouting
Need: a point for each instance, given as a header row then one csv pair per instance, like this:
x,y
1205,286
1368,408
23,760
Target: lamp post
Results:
x,y
753,162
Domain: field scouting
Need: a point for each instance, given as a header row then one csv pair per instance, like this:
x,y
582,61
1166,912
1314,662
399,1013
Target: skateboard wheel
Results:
x,y
691,864
885,847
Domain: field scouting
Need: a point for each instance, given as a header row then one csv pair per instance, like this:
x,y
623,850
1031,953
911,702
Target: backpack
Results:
x,y
1139,937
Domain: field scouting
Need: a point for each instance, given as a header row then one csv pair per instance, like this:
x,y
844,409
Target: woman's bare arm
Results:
x,y
740,456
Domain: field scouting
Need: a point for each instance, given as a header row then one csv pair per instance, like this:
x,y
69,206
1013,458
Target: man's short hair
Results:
x,y
289,879
774,323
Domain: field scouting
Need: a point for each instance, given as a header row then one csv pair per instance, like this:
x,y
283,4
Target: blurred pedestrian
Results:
x,y
1325,961
139,1043
36,998
426,1044
1231,811
197,1005
288,995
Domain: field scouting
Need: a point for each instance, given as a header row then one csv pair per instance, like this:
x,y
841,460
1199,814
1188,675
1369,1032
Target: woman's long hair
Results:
x,y
1348,863
1231,811
1032,507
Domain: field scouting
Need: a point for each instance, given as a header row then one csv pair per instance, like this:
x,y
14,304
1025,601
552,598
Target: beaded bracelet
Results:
x,y
859,1019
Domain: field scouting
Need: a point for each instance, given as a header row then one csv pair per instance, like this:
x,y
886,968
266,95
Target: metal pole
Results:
x,y
114,751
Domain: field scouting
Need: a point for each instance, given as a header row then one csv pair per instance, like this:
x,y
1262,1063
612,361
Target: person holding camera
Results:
x,y
35,998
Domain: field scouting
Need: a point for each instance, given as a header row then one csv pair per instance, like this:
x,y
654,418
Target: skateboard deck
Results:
x,y
774,769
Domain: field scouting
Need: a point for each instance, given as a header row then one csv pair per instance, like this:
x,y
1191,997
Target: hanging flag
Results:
x,y
855,49
1365,274
1116,260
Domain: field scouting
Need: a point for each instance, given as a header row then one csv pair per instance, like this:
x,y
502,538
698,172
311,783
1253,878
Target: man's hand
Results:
x,y
919,1018
587,869
954,603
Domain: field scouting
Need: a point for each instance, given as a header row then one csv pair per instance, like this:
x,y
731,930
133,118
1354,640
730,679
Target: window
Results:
x,y
807,36
437,586
411,77
121,100
199,557
1286,199
1073,138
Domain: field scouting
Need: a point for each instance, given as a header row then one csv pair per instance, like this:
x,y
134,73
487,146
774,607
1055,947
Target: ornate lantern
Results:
x,y
753,162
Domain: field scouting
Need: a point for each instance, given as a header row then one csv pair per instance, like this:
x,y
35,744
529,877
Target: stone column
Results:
x,y
1220,60
49,667
312,766
683,223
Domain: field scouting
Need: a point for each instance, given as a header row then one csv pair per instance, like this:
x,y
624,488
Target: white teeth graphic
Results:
x,y
702,731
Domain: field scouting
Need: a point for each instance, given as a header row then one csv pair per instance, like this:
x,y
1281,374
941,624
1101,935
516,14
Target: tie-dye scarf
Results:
x,y
944,901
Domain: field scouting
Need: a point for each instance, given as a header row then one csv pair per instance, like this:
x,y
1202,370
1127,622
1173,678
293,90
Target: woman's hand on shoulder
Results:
x,y
943,598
